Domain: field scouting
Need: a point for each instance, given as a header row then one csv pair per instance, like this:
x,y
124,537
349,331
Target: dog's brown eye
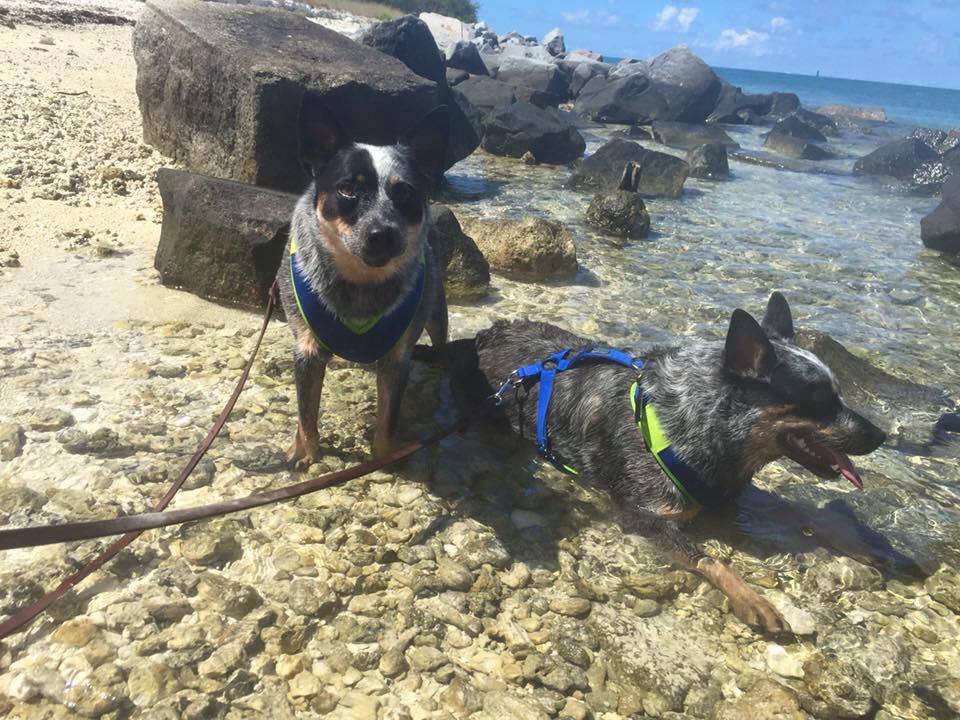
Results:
x,y
347,190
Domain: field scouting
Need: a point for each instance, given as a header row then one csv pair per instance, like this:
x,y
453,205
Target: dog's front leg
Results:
x,y
746,604
392,373
309,369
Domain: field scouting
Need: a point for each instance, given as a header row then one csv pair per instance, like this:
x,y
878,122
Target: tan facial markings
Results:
x,y
763,444
355,270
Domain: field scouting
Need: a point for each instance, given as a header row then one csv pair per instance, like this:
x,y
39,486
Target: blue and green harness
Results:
x,y
687,480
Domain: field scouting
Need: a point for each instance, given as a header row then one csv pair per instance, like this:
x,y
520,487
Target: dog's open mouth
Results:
x,y
819,457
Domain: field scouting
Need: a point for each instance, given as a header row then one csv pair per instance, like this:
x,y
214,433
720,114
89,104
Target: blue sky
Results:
x,y
906,41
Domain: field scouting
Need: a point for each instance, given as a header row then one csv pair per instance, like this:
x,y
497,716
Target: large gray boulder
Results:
x,y
478,96
628,100
221,240
542,75
408,39
652,173
514,130
464,55
221,86
734,107
940,230
581,71
686,82
900,159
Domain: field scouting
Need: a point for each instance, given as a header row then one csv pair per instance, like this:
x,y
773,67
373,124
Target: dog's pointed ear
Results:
x,y
748,351
321,136
778,322
428,140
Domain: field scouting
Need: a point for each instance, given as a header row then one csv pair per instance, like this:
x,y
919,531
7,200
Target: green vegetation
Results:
x,y
463,9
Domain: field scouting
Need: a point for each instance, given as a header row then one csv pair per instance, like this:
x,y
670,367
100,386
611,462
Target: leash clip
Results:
x,y
512,381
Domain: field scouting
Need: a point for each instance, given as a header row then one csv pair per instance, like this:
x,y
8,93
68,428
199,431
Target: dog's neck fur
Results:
x,y
695,402
342,297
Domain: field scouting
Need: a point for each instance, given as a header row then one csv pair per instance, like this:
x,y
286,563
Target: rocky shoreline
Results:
x,y
466,583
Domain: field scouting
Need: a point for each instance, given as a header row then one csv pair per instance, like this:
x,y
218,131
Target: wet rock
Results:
x,y
782,662
426,659
795,147
149,682
940,229
571,606
709,162
312,598
20,499
530,249
846,112
899,159
938,140
620,214
461,698
657,174
104,442
573,652
504,705
454,575
210,543
198,62
575,710
361,705
11,441
659,586
645,607
766,699
836,687
48,419
688,135
794,126
465,271
517,577
944,587
513,130
842,574
76,632
221,240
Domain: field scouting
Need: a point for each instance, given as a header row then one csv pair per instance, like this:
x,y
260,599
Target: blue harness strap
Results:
x,y
546,371
362,341
690,484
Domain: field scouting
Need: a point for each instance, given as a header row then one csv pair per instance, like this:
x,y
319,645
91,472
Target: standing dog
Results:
x,y
359,279
711,414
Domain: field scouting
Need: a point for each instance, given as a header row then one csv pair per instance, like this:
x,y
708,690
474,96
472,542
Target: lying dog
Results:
x,y
361,281
709,414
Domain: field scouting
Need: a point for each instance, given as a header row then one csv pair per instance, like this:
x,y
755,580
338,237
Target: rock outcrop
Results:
x,y
795,147
900,159
221,240
940,230
522,127
221,86
709,162
653,174
531,249
688,135
464,269
620,213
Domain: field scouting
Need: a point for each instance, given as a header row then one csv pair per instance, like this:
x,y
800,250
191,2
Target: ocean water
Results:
x,y
905,104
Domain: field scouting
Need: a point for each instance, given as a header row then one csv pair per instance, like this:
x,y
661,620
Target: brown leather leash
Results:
x,y
134,525
24,616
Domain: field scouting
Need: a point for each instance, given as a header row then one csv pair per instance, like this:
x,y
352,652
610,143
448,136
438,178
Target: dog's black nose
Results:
x,y
382,244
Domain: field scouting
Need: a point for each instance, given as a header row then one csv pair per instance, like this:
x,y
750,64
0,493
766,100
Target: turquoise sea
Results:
x,y
905,104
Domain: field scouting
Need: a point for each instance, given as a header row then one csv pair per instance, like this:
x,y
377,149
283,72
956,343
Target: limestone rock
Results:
x,y
530,249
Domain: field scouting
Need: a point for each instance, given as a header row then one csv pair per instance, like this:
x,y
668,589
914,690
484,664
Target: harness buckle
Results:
x,y
512,381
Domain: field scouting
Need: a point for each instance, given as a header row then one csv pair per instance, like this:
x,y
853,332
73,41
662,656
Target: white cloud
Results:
x,y
589,17
750,40
779,23
675,19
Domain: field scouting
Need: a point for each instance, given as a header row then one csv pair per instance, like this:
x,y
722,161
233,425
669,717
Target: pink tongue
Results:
x,y
843,462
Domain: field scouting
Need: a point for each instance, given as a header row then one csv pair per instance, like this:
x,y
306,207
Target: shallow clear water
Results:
x,y
846,252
